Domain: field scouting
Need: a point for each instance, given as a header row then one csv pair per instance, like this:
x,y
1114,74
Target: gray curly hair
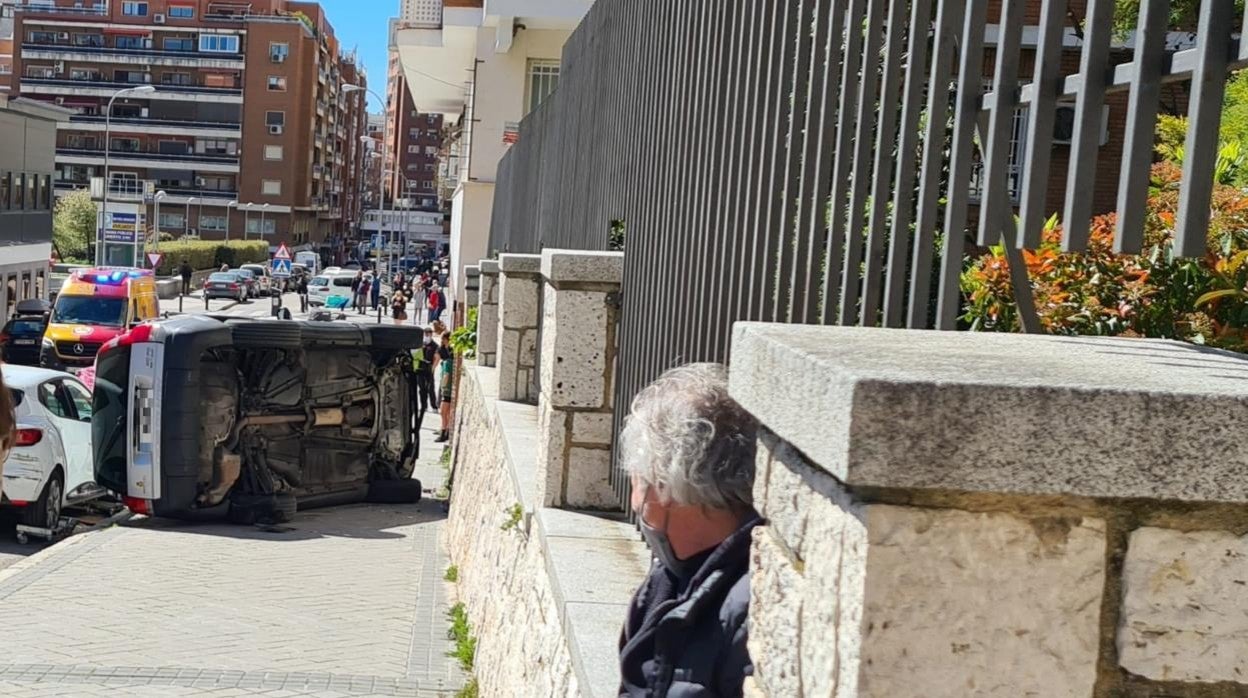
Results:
x,y
690,441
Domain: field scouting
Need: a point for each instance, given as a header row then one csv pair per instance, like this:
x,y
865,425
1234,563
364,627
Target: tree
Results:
x,y
73,225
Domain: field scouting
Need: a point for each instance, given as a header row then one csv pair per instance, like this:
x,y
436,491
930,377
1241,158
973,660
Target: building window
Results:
x,y
211,146
90,40
272,152
413,166
428,167
217,183
134,9
83,74
40,71
6,179
271,187
212,222
172,221
278,51
176,79
41,37
179,43
431,118
413,133
78,141
181,11
130,42
218,43
124,145
277,83
431,150
19,189
413,149
32,202
428,185
275,118
543,79
267,226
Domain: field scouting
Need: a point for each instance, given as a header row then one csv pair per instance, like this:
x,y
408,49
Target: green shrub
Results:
x,y
461,632
452,574
210,254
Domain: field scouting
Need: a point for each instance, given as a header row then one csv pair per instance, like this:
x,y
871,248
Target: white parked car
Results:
x,y
50,464
264,278
318,290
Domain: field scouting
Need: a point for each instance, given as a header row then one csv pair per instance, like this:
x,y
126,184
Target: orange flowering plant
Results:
x,y
1154,294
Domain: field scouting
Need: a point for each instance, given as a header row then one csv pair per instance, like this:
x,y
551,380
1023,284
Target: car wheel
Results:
x,y
269,334
394,491
284,507
47,510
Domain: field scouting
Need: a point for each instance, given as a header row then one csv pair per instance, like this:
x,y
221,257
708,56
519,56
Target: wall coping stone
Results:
x,y
520,263
472,270
488,266
586,266
595,560
1005,413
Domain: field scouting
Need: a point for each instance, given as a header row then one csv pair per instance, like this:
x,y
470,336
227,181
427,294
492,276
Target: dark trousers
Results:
x,y
303,302
428,396
186,285
435,314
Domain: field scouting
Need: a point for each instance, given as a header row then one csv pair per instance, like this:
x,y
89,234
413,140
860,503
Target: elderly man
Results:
x,y
689,449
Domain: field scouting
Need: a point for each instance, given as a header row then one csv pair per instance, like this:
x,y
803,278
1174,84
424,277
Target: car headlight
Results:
x,y
48,344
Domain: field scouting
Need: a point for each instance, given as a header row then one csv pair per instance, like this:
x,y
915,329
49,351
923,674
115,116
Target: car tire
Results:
x,y
396,337
273,334
249,509
284,507
46,512
394,491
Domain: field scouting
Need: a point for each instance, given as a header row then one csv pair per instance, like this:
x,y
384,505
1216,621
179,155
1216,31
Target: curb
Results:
x,y
21,574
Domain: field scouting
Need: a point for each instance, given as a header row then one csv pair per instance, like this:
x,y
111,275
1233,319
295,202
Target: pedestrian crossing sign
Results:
x,y
280,268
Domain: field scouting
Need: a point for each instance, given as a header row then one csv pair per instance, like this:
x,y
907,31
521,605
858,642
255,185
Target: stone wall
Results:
x,y
487,314
956,514
519,313
522,649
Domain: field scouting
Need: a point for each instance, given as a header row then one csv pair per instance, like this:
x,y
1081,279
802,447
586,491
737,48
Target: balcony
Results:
x,y
39,50
106,88
170,127
100,9
149,159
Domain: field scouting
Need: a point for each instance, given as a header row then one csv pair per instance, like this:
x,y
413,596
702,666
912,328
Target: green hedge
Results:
x,y
210,254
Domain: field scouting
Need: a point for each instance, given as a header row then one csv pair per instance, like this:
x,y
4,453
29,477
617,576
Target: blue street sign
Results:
x,y
379,241
280,267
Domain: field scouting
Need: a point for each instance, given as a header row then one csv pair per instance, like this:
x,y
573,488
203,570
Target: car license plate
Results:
x,y
24,341
219,286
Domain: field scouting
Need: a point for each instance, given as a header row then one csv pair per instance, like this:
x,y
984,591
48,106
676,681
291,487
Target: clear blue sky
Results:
x,y
364,26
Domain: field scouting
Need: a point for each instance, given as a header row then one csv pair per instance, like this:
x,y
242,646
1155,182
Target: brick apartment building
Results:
x,y
248,132
414,141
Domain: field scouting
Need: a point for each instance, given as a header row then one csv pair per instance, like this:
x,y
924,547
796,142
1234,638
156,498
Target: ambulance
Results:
x,y
95,305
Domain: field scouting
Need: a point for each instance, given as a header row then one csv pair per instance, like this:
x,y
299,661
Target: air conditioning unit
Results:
x,y
277,57
63,36
60,66
275,130
143,112
158,18
60,100
200,182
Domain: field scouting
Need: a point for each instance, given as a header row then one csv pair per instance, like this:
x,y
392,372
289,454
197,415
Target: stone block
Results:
x,y
589,480
489,267
552,438
582,266
520,264
1096,417
575,352
960,603
776,590
1183,601
528,348
593,427
508,350
518,302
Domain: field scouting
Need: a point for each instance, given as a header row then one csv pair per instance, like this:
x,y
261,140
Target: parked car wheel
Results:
x,y
45,512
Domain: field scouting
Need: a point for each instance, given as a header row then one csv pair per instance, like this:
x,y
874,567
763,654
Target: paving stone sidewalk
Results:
x,y
348,601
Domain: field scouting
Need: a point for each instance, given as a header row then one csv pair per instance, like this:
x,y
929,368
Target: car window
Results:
x,y
81,400
223,276
18,396
319,281
25,325
50,397
343,281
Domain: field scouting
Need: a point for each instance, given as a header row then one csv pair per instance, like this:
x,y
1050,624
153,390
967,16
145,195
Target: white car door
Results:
x,y
77,433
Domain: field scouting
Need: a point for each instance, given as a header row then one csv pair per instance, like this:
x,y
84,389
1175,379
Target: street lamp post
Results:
x,y
108,115
156,226
263,230
186,219
381,175
227,220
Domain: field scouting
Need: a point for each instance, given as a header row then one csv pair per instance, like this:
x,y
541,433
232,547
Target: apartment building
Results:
x,y
483,65
6,43
231,116
27,146
414,139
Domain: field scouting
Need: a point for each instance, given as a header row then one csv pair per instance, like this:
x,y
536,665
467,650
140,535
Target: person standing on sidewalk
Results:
x,y
689,448
375,290
423,360
303,293
399,308
437,302
356,284
186,272
446,385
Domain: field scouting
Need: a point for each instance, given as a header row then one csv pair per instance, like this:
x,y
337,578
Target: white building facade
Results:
x,y
484,67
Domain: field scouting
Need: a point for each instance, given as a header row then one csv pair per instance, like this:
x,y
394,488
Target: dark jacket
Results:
x,y
185,271
685,640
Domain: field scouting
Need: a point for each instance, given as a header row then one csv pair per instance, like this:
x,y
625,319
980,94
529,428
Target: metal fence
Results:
x,y
814,161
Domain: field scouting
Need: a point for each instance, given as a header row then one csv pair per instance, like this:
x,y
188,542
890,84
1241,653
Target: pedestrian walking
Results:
x,y
398,308
225,267
356,283
366,293
689,450
446,385
303,293
186,272
375,290
437,302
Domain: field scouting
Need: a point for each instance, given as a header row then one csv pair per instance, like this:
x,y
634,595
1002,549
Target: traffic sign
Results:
x,y
283,253
280,267
154,258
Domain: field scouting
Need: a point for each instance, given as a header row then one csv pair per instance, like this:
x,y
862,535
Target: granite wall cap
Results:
x,y
472,270
520,263
488,266
1008,413
584,266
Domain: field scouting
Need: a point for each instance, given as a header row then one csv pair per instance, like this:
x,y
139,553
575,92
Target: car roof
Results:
x,y
26,377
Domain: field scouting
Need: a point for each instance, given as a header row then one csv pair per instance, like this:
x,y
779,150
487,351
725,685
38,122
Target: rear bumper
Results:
x,y
25,354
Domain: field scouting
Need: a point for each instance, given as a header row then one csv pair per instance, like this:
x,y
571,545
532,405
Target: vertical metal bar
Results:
x,y
995,196
800,163
907,155
821,162
933,162
1046,78
969,90
1137,151
881,187
709,286
694,131
1090,100
851,278
1204,115
758,148
846,125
